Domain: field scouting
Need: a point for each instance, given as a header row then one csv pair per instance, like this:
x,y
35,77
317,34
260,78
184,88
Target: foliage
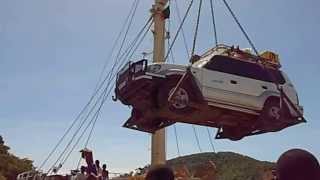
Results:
x,y
10,165
230,166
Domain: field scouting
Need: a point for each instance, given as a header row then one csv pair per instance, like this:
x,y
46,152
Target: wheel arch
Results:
x,y
267,96
190,83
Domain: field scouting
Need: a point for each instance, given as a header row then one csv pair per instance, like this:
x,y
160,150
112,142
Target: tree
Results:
x,y
11,165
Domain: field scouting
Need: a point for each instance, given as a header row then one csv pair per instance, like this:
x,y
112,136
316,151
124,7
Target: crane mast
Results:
x,y
158,141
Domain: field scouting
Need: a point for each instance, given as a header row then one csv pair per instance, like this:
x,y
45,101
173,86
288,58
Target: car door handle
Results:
x,y
233,82
264,87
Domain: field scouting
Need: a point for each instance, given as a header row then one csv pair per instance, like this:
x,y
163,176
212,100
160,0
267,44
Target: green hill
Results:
x,y
229,165
10,165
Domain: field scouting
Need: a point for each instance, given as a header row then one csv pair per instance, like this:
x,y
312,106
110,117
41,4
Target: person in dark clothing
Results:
x,y
104,173
297,164
160,172
98,168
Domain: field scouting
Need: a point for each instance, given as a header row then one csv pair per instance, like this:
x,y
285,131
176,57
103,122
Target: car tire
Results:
x,y
180,102
272,114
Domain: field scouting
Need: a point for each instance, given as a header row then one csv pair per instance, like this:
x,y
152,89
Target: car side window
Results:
x,y
275,75
241,68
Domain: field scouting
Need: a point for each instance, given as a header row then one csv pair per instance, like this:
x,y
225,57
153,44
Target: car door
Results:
x,y
236,82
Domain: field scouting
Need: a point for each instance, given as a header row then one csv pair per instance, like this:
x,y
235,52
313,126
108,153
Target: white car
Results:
x,y
227,88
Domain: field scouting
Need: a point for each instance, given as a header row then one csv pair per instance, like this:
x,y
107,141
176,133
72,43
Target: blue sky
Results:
x,y
52,52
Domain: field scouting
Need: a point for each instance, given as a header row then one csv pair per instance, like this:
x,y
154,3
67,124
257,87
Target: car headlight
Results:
x,y
154,68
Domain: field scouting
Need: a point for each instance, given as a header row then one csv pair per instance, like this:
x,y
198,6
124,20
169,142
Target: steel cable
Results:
x,y
108,76
240,26
197,138
106,94
177,140
214,23
91,98
197,29
210,139
179,29
182,30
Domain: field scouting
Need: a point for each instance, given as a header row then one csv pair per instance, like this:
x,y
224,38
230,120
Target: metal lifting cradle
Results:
x,y
164,94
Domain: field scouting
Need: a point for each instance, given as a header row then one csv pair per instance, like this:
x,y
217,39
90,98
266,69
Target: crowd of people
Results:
x,y
95,172
295,164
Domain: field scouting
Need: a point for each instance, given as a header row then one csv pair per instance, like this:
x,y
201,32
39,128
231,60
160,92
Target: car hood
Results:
x,y
164,67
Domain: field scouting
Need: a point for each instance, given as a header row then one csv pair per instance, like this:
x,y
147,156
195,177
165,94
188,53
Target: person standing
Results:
x,y
104,173
81,175
98,168
160,172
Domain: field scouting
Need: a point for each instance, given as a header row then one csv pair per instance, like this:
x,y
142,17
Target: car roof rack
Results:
x,y
266,58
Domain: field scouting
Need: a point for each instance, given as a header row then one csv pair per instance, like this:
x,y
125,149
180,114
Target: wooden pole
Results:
x,y
158,144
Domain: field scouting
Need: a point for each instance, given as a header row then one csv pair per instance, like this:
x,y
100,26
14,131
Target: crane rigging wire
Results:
x,y
170,52
197,28
179,29
197,138
240,26
210,140
133,43
106,94
133,8
214,23
182,30
177,140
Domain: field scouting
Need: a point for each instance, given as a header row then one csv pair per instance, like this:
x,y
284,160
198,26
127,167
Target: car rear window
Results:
x,y
245,69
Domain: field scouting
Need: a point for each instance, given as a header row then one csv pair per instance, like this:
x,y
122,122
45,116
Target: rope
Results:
x,y
210,139
241,28
197,138
179,29
214,23
197,29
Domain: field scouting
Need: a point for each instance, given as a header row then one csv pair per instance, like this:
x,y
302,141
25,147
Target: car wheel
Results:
x,y
179,102
272,114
